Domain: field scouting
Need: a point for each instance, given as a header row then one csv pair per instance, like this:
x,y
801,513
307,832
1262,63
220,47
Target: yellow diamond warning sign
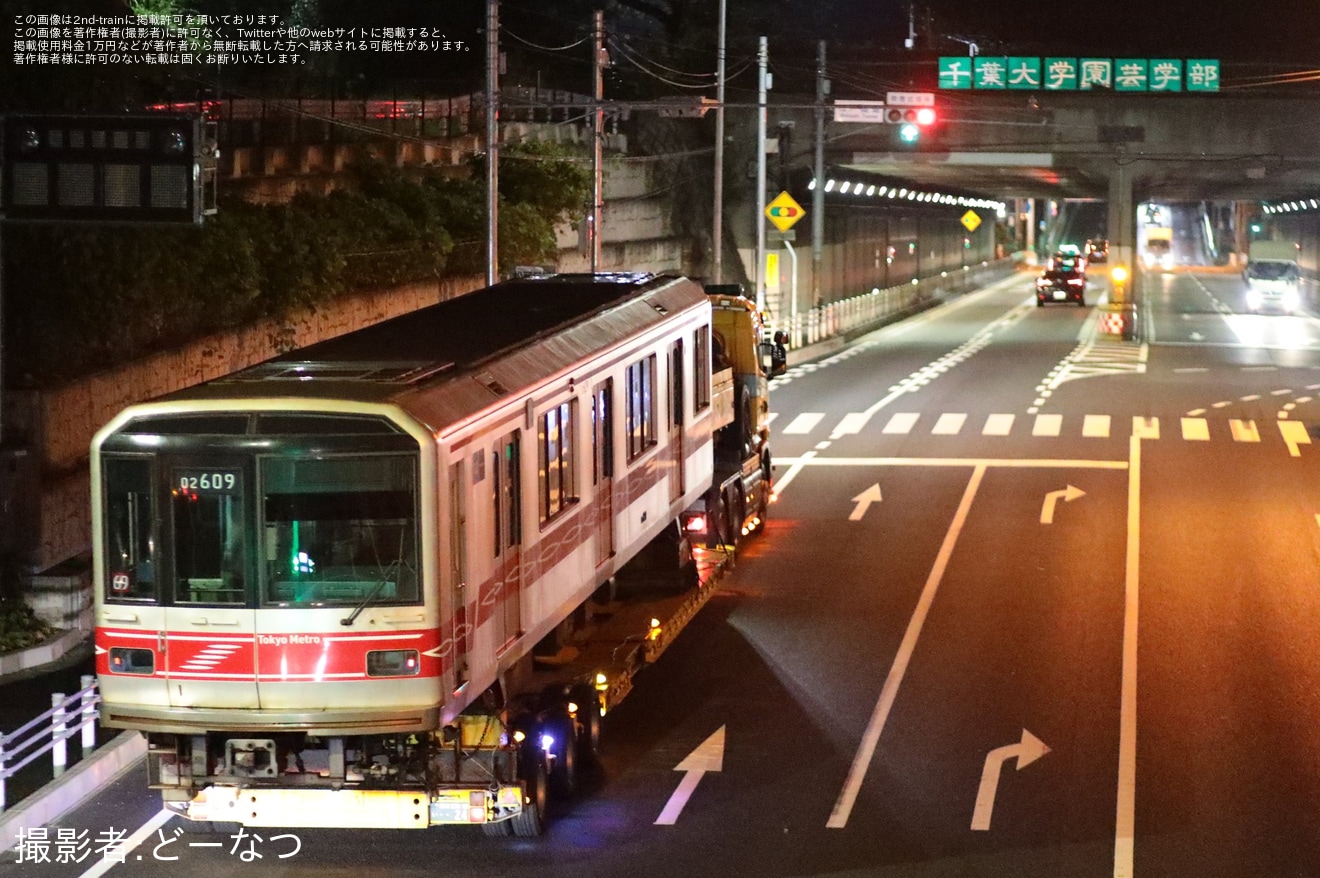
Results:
x,y
784,211
971,220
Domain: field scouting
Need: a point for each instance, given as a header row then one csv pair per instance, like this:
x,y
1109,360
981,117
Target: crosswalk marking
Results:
x,y
1146,428
1047,425
1244,431
1192,429
1096,426
1196,429
1294,433
949,424
804,423
901,422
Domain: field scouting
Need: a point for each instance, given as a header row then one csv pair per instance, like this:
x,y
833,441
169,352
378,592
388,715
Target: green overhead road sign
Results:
x,y
1129,75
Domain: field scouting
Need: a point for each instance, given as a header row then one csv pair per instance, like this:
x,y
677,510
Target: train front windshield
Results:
x,y
283,521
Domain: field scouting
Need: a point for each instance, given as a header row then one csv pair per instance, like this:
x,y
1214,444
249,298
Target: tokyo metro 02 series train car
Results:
x,y
319,580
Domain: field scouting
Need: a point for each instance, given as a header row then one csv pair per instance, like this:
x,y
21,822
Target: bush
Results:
x,y
87,297
20,627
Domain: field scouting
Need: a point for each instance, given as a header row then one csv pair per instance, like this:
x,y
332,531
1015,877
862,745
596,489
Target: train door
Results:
x,y
505,598
458,568
131,628
210,618
602,466
676,402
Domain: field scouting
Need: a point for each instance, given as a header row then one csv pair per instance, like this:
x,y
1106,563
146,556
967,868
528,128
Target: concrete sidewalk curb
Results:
x,y
97,770
36,657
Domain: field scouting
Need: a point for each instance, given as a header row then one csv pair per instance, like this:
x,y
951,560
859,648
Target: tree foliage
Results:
x,y
83,298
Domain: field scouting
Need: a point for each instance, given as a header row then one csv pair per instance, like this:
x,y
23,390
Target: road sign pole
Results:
x,y
759,274
818,193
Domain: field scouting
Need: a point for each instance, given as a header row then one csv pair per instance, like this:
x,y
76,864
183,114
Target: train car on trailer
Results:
x,y
320,581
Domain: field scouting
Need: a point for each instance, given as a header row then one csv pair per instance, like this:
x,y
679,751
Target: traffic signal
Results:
x,y
911,122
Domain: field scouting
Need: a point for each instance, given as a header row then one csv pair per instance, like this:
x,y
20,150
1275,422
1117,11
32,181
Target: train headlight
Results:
x,y
393,663
132,661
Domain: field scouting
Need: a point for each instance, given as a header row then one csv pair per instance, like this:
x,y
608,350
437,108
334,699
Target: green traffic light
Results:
x,y
909,133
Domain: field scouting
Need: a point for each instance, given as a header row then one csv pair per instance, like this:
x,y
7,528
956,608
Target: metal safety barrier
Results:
x,y
870,308
50,732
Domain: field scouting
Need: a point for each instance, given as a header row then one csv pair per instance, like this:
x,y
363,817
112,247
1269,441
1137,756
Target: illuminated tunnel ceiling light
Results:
x,y
844,187
812,185
829,185
870,190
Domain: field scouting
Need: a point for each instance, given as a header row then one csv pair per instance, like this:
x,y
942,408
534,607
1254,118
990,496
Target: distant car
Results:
x,y
1062,285
1062,261
1097,250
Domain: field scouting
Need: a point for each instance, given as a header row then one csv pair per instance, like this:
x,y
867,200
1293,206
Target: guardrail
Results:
x,y
867,309
68,716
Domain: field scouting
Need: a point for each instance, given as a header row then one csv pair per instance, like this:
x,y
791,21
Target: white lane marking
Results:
x,y
1096,426
1188,370
1244,431
1196,429
128,845
857,773
803,423
1220,405
1294,433
770,418
1126,808
1283,392
1047,425
1067,495
949,424
901,423
795,467
822,445
998,425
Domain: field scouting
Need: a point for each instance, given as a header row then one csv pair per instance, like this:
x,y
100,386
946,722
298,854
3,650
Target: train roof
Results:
x,y
466,353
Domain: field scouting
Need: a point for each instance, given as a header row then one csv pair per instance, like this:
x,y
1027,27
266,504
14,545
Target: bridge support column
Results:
x,y
1122,223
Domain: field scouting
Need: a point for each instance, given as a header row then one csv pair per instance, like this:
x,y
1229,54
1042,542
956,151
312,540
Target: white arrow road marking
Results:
x,y
1068,494
709,756
1027,751
864,501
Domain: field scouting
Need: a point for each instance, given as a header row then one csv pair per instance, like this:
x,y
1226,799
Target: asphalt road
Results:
x,y
1028,604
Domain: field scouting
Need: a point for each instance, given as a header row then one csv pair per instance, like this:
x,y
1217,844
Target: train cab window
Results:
x,y
206,507
339,530
556,440
640,390
130,538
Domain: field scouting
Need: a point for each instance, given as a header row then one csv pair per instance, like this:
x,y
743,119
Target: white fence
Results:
x,y
50,732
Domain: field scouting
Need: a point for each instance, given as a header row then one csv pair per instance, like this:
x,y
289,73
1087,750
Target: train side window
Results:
x,y
556,437
701,374
507,489
640,390
130,535
602,426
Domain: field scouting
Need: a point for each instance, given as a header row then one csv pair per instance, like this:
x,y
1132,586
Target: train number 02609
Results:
x,y
216,481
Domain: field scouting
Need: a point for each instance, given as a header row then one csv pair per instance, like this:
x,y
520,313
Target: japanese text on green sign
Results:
x,y
1080,74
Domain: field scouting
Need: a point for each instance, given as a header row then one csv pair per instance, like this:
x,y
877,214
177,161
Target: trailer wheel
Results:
x,y
588,742
564,777
529,822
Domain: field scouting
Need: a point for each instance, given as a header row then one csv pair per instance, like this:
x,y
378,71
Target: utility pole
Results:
x,y
597,124
818,193
718,232
492,140
762,60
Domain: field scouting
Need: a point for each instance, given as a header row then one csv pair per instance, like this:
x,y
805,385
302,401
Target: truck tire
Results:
x,y
530,821
503,829
564,777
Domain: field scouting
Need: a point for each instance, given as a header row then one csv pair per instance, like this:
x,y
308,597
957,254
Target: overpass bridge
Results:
x,y
1124,149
